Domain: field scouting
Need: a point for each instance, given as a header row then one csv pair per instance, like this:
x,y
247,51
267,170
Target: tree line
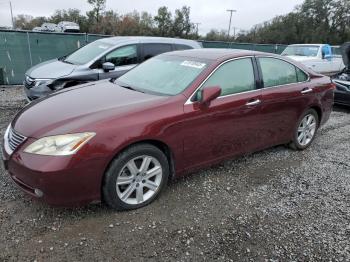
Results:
x,y
109,22
314,21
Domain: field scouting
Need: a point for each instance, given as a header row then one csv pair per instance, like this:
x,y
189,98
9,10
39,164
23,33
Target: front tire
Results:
x,y
306,130
135,177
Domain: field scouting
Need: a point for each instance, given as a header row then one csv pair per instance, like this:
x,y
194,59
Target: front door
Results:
x,y
230,124
124,58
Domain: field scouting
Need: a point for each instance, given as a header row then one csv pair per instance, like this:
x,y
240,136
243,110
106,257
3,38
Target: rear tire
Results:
x,y
305,130
135,177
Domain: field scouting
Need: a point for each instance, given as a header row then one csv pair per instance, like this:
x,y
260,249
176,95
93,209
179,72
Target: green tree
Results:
x,y
163,21
98,8
182,26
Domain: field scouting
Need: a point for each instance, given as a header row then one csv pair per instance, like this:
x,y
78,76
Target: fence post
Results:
x,y
30,50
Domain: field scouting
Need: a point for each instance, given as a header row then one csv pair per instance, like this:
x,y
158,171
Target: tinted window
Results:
x,y
87,53
150,50
277,72
126,55
182,47
166,75
233,77
301,76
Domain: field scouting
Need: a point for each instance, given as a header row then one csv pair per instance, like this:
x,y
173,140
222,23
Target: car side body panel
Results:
x,y
196,135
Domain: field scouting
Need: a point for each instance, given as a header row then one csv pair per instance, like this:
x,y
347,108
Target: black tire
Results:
x,y
295,143
109,191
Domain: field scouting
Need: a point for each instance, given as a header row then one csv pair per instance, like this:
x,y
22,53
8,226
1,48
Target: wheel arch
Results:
x,y
319,113
158,144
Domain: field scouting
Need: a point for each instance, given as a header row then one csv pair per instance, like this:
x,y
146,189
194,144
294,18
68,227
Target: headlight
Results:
x,y
61,145
39,82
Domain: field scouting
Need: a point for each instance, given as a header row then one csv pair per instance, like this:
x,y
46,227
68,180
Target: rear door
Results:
x,y
286,93
231,124
150,50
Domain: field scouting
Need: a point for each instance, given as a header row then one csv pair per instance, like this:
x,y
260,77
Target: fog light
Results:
x,y
38,192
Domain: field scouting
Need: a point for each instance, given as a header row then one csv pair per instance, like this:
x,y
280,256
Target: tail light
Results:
x,y
333,86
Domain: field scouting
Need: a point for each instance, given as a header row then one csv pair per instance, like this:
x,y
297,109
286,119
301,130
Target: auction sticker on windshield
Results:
x,y
193,64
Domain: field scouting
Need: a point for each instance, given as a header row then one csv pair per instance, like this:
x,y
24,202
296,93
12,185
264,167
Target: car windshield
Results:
x,y
87,53
301,50
164,75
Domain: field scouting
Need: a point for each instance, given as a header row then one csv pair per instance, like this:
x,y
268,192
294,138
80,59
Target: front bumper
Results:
x,y
59,181
35,92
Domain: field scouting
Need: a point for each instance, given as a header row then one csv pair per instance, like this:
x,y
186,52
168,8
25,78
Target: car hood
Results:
x,y
345,48
81,108
51,69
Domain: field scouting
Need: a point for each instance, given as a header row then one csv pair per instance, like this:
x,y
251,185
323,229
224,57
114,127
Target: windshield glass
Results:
x,y
165,75
301,50
87,53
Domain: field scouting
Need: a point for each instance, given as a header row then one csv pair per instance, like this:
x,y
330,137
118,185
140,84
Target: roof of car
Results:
x,y
215,53
305,44
148,39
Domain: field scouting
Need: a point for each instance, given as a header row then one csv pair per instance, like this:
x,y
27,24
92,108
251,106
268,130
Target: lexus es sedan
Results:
x,y
105,58
120,141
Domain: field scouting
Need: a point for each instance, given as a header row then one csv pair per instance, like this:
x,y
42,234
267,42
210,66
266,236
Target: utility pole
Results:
x,y
229,25
197,24
13,22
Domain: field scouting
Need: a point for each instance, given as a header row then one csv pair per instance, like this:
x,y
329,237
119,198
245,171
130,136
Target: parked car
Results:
x,y
104,58
342,80
68,27
318,57
121,140
49,27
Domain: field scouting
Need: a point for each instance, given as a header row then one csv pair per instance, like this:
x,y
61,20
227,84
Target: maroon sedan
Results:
x,y
121,140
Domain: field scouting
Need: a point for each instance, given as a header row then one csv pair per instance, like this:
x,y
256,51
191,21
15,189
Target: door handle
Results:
x,y
306,90
253,102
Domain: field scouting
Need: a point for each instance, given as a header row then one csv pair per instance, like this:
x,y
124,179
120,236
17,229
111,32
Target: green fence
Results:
x,y
20,50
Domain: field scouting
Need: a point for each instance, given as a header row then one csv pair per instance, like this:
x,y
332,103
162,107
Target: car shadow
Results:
x,y
341,108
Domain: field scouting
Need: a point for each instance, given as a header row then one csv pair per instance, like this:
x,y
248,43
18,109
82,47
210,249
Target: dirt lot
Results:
x,y
273,205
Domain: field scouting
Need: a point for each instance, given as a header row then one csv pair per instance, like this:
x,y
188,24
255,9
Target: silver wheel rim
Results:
x,y
306,129
139,180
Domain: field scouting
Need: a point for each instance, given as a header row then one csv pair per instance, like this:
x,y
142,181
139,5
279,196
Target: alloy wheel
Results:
x,y
139,180
307,129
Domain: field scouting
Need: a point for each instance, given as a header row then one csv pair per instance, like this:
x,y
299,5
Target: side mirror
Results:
x,y
209,94
108,66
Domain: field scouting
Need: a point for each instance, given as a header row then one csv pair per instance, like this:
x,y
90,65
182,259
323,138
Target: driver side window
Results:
x,y
126,55
233,77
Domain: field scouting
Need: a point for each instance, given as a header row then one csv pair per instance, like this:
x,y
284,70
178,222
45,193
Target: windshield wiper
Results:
x,y
65,61
127,86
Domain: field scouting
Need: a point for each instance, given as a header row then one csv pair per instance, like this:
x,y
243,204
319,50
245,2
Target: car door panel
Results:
x,y
280,110
286,93
228,127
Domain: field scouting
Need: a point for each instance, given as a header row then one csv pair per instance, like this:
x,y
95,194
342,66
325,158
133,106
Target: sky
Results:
x,y
210,14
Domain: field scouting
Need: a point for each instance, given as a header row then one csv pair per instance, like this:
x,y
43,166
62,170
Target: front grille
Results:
x,y
14,139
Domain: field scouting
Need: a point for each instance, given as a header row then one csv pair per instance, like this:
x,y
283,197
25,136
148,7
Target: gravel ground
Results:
x,y
274,205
